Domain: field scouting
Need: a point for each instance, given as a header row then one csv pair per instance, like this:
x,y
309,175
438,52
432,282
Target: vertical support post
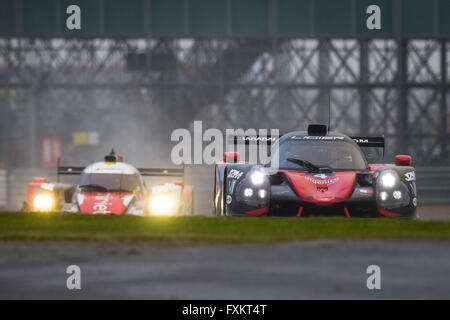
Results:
x,y
273,25
32,147
6,123
400,80
402,127
221,104
32,102
443,106
364,88
324,72
186,17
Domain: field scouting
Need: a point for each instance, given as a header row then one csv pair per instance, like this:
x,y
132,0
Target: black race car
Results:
x,y
319,173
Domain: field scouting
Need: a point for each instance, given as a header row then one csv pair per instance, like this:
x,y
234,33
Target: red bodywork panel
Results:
x,y
104,202
322,188
325,188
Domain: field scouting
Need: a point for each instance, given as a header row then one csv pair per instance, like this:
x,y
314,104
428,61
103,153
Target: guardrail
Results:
x,y
433,185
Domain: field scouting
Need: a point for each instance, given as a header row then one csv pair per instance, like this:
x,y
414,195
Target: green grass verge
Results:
x,y
80,227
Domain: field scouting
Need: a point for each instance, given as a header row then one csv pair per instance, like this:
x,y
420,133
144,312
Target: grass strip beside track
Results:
x,y
82,227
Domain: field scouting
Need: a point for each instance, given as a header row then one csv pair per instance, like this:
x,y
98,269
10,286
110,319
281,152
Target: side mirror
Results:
x,y
402,160
231,157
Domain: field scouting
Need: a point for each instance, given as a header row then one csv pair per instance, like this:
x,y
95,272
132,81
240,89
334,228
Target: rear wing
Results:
x,y
149,172
370,142
245,139
250,146
67,170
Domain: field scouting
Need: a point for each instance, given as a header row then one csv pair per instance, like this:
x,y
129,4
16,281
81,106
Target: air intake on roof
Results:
x,y
317,130
111,157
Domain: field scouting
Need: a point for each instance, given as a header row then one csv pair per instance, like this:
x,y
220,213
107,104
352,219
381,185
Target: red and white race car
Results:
x,y
112,187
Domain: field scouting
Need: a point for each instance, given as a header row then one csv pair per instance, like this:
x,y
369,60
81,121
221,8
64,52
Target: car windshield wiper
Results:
x,y
93,186
308,165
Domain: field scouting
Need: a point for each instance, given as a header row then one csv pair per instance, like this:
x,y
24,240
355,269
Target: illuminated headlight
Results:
x,y
161,204
248,192
388,180
397,194
257,178
383,195
262,193
43,202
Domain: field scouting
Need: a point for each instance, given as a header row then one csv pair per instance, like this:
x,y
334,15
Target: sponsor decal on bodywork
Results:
x,y
232,185
330,138
410,176
365,191
361,140
101,204
235,174
322,178
308,185
245,139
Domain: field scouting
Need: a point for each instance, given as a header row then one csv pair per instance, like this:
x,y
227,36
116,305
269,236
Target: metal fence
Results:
x,y
55,87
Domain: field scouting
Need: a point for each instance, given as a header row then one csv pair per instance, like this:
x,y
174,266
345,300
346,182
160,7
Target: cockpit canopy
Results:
x,y
334,151
110,177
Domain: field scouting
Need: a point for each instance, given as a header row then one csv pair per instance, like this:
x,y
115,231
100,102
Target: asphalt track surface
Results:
x,y
302,270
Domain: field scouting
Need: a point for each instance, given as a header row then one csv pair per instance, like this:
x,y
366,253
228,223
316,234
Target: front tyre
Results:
x,y
217,197
219,203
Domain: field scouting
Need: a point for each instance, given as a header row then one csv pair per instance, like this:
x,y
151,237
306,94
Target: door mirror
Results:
x,y
402,160
231,157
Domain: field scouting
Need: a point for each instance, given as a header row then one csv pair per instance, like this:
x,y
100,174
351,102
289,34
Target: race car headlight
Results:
x,y
161,204
43,202
262,193
388,179
257,178
391,191
397,194
248,192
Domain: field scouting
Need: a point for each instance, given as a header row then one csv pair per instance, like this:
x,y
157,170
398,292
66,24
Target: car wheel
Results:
x,y
223,207
216,200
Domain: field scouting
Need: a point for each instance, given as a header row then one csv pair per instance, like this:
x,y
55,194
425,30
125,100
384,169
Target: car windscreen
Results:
x,y
103,182
337,155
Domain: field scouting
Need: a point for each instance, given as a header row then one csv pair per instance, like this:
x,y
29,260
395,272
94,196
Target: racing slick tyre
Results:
x,y
218,203
214,211
219,206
